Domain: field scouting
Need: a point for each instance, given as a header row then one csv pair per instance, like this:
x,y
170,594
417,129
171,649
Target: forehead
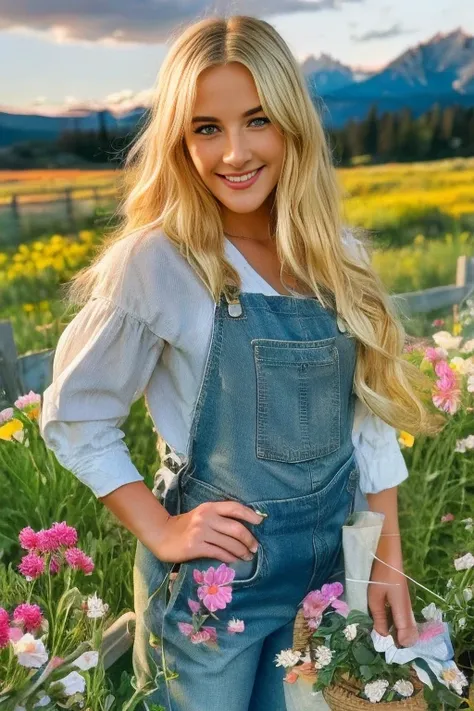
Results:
x,y
227,89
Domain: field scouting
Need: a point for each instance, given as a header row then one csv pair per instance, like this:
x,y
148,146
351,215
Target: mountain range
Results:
x,y
439,70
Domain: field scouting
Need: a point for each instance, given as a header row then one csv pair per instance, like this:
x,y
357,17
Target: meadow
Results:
x,y
432,205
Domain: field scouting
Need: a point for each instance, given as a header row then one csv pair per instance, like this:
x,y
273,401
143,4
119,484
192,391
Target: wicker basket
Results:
x,y
343,695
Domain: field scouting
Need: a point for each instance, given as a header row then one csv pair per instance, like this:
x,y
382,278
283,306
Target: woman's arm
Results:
x,y
395,590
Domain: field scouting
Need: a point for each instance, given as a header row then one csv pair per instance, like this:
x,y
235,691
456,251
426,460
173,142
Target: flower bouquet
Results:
x,y
50,634
338,651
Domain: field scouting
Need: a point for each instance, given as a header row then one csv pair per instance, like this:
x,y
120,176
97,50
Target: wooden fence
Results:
x,y
65,205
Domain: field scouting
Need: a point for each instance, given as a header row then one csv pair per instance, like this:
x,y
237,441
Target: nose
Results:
x,y
238,152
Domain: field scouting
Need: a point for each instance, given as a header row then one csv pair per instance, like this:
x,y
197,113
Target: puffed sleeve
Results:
x,y
103,362
378,454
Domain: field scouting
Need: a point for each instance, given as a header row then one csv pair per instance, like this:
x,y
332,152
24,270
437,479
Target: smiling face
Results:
x,y
228,142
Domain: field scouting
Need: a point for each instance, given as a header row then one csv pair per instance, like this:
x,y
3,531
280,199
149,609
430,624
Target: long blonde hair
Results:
x,y
162,189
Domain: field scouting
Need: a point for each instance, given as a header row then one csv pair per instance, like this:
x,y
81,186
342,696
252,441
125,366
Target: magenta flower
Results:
x,y
447,517
63,534
234,626
447,394
31,566
205,634
4,628
433,355
438,322
341,607
78,560
185,628
28,538
214,590
6,415
194,605
46,541
54,566
317,601
28,616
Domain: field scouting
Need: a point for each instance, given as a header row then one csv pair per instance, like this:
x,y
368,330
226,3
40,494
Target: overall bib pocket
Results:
x,y
298,399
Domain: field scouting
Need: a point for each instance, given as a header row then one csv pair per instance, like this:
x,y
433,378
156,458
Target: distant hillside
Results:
x,y
438,71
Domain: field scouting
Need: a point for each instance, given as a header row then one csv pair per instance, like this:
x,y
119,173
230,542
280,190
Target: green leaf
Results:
x,y
362,654
367,672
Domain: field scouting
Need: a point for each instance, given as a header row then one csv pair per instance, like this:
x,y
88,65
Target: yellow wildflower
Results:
x,y
457,329
10,428
406,439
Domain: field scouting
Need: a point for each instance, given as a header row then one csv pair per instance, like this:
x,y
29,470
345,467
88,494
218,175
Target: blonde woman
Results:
x,y
270,358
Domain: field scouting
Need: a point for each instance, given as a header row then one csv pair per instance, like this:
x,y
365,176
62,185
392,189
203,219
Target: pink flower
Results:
x,y
63,534
314,622
46,541
214,591
433,355
4,628
28,616
185,628
25,400
234,626
317,601
194,605
55,662
205,634
31,566
54,566
448,394
447,517
15,633
78,560
291,677
28,538
6,415
438,322
341,607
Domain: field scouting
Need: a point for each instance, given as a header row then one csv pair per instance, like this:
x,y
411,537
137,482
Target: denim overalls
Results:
x,y
272,429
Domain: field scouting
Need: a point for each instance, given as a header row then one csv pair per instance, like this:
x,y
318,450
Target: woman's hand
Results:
x,y
393,596
208,531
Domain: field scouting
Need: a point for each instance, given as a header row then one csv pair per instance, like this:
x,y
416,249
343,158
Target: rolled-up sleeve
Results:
x,y
103,362
377,451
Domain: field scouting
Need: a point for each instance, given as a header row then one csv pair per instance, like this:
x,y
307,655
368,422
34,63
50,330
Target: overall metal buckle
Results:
x,y
234,307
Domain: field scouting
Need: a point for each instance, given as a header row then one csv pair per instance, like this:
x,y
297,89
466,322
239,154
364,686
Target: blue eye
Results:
x,y
213,125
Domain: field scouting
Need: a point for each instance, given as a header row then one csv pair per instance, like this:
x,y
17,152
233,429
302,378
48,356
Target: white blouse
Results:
x,y
146,330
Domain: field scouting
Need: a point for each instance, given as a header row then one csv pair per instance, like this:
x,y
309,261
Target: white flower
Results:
x,y
468,347
470,384
446,340
87,661
449,584
467,594
95,607
462,445
466,562
469,523
462,622
454,677
350,632
31,652
73,683
323,656
375,690
287,658
44,700
461,365
431,612
403,687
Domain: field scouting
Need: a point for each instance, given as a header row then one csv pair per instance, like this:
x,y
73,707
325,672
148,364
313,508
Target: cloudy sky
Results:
x,y
59,53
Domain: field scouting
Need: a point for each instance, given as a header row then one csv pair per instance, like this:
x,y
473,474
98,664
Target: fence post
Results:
x,y
464,277
70,210
10,382
16,216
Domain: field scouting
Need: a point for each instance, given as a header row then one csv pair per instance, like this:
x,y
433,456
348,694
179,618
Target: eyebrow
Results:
x,y
250,112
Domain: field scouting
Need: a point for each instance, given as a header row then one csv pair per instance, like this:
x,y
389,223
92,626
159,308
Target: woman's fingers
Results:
x,y
232,545
377,599
403,618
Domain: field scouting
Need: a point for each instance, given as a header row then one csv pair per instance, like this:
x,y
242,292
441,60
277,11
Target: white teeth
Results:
x,y
242,178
